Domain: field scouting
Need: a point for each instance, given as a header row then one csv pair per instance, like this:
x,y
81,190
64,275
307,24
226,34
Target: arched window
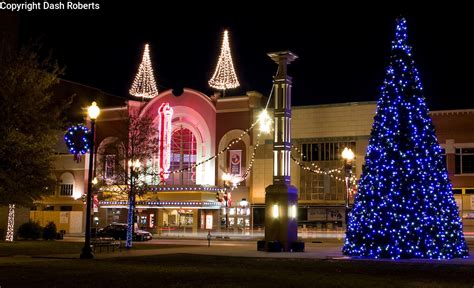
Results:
x,y
66,187
109,164
183,155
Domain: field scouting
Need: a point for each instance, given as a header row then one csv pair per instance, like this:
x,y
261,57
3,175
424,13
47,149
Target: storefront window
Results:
x,y
464,161
321,187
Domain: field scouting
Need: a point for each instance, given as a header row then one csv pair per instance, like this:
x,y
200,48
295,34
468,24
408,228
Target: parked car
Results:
x,y
118,231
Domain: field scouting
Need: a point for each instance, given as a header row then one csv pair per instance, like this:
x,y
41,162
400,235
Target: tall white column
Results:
x,y
281,198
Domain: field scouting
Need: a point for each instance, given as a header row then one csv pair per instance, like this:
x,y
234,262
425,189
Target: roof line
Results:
x,y
335,104
453,111
95,88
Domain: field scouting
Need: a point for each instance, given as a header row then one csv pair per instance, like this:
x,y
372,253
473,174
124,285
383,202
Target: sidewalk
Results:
x,y
246,235
230,235
325,250
329,250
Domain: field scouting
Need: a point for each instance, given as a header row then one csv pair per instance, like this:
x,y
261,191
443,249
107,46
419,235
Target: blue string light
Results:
x,y
405,206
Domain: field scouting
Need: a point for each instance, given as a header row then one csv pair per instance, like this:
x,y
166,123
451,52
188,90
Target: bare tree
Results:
x,y
126,164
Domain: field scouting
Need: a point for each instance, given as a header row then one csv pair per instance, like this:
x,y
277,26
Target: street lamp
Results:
x,y
227,178
348,156
265,122
93,111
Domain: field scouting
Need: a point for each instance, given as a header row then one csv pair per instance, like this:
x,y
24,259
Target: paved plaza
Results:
x,y
321,246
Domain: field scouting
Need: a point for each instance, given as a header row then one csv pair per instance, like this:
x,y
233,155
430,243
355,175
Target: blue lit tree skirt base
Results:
x,y
376,251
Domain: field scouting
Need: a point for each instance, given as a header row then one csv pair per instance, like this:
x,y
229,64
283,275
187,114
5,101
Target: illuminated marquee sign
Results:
x,y
165,113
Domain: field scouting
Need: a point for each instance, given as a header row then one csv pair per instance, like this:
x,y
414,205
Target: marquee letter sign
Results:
x,y
165,113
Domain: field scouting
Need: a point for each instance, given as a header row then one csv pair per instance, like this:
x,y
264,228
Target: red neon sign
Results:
x,y
165,113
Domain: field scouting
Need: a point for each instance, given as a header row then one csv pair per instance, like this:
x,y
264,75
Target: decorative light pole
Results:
x,y
348,156
281,198
93,111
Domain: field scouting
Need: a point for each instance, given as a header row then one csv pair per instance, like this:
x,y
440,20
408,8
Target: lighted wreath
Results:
x,y
77,140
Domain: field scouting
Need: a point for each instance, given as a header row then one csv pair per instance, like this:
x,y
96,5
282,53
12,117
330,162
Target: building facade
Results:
x,y
456,137
211,136
319,135
204,132
65,205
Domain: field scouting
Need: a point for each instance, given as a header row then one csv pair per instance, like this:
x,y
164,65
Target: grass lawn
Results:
x,y
182,270
40,247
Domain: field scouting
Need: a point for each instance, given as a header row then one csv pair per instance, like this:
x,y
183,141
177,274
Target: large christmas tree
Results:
x,y
405,206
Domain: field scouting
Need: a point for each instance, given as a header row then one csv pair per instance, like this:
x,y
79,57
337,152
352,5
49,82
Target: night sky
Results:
x,y
343,51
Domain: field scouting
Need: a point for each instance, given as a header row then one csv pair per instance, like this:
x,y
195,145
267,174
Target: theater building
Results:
x,y
200,127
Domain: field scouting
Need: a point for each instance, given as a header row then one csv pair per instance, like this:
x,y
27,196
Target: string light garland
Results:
x,y
263,118
78,139
165,188
11,223
265,126
158,203
318,170
405,206
224,76
252,160
264,130
219,153
225,190
144,84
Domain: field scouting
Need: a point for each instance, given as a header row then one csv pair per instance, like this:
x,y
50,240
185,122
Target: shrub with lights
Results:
x,y
405,206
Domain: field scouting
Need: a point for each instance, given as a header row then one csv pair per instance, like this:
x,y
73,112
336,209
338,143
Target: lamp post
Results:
x,y
228,178
93,111
348,156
